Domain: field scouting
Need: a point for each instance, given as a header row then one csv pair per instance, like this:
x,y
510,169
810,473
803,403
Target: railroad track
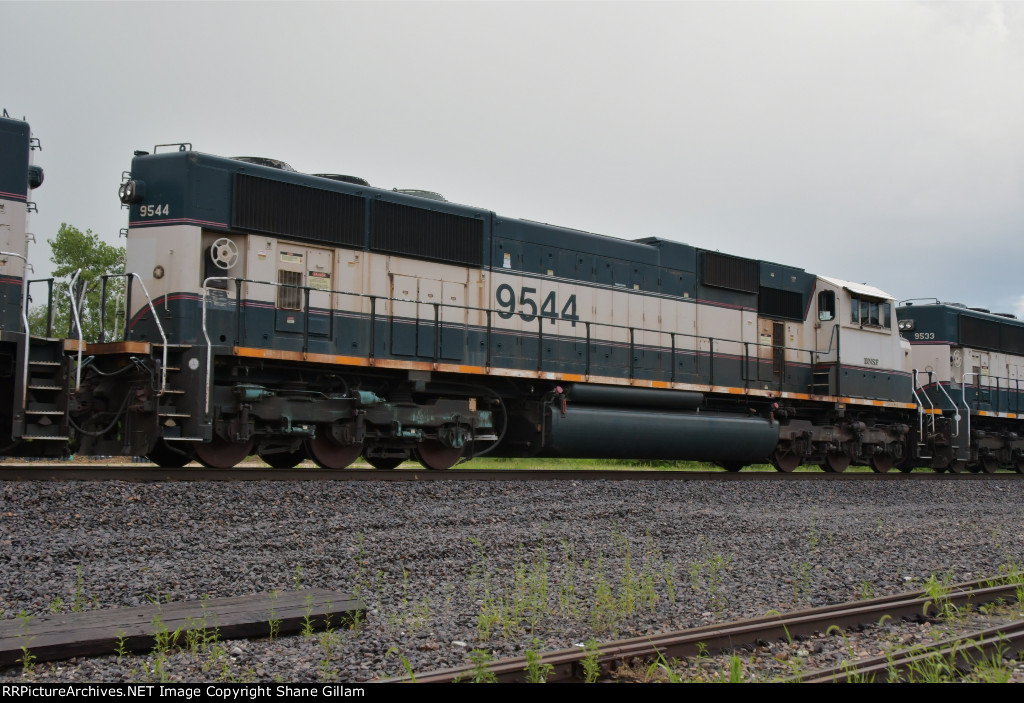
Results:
x,y
576,664
146,473
960,654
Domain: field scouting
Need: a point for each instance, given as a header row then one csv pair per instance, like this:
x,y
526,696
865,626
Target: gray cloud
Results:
x,y
880,142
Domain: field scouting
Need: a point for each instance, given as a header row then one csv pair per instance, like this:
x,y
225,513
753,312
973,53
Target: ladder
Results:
x,y
173,411
43,412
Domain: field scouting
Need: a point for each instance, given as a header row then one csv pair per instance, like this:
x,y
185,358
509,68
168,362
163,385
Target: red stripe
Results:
x,y
177,221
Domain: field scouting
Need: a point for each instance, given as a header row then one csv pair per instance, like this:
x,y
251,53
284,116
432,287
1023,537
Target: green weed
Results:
x,y
273,622
591,665
163,639
938,593
78,602
481,673
27,658
536,670
405,662
802,582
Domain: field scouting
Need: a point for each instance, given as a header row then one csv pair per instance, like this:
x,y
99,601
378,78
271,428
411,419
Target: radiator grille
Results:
x,y
298,212
772,302
427,234
730,272
983,334
1013,339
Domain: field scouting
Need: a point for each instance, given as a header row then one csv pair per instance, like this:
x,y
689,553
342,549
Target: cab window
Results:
x,y
826,305
870,313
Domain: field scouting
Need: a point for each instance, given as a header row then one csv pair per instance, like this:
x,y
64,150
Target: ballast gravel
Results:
x,y
449,569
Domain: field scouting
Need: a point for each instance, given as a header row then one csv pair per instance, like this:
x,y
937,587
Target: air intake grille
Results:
x,y
298,212
401,229
982,334
772,302
729,272
1013,339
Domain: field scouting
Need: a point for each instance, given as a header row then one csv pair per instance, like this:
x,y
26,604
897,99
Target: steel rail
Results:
x,y
61,471
963,652
568,663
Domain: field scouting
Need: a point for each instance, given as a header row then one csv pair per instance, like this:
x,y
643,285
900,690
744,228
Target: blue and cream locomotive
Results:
x,y
292,315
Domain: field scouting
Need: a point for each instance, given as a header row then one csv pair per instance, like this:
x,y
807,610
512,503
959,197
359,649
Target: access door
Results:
x,y
300,268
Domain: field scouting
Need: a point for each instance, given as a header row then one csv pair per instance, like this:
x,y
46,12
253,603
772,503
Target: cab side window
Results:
x,y
870,313
826,305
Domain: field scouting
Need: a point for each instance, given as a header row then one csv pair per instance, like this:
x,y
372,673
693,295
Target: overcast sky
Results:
x,y
876,142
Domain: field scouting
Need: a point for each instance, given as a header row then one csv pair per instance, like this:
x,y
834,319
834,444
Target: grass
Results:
x,y
554,464
591,665
938,592
547,584
27,658
536,670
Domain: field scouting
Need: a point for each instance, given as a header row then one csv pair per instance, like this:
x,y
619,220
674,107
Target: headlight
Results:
x,y
131,192
35,177
906,325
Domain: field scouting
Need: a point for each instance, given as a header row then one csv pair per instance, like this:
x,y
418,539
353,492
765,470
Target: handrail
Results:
x,y
920,407
78,326
25,328
209,344
49,301
832,336
131,275
963,394
929,403
714,344
955,409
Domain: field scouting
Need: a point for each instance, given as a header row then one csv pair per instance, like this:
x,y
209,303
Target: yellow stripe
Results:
x,y
250,352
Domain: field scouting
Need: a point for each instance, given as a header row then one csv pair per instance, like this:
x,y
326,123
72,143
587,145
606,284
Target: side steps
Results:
x,y
41,412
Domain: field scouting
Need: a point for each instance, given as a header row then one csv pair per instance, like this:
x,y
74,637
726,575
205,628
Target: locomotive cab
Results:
x,y
858,341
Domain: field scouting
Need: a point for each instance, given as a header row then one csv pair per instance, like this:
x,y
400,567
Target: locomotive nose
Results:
x,y
35,177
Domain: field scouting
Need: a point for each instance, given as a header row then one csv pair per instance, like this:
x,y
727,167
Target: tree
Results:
x,y
70,251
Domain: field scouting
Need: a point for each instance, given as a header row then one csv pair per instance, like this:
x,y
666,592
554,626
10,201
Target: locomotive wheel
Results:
x,y
988,465
732,467
836,463
785,461
434,455
384,463
1019,467
284,460
881,463
167,458
222,454
956,467
329,455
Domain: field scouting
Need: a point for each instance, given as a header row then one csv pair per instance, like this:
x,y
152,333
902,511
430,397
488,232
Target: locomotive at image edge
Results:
x,y
289,315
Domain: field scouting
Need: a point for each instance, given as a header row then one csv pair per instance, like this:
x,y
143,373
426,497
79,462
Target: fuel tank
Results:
x,y
628,433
